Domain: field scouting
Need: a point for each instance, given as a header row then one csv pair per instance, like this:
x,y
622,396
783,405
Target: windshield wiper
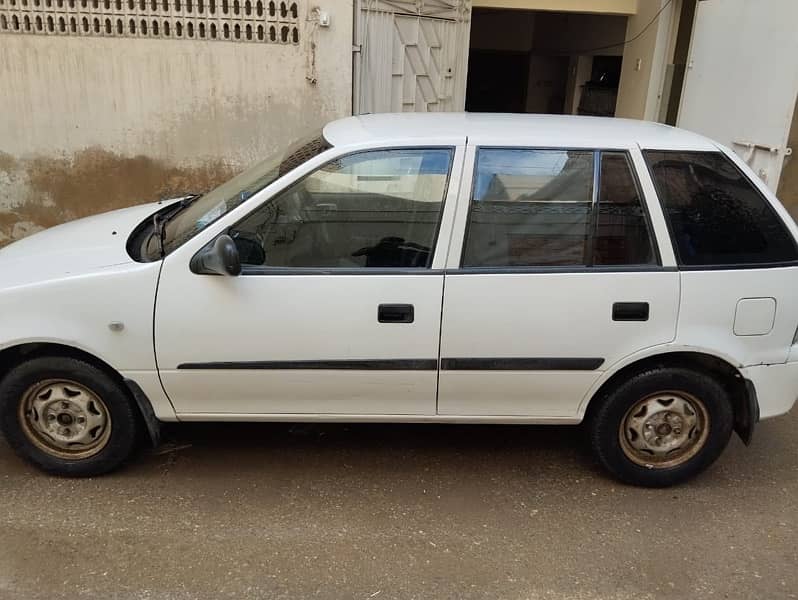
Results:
x,y
158,227
160,219
189,199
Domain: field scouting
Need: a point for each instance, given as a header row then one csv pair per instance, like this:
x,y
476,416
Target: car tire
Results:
x,y
661,427
67,416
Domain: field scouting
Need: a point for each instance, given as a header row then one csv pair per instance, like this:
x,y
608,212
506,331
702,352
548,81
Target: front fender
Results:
x,y
107,314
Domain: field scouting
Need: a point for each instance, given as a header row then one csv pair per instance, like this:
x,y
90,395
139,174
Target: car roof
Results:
x,y
516,129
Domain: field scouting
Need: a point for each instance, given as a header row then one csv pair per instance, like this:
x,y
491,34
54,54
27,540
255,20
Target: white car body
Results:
x,y
75,285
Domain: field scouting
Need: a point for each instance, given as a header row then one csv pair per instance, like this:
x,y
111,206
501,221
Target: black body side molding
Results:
x,y
398,364
410,364
521,364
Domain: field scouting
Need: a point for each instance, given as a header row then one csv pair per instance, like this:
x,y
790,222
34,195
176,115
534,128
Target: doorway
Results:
x,y
676,69
599,94
528,61
497,81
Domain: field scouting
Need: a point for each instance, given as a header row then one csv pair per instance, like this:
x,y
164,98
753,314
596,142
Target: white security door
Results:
x,y
413,55
742,79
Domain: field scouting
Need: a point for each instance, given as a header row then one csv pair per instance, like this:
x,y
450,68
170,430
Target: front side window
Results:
x,y
715,214
370,209
538,208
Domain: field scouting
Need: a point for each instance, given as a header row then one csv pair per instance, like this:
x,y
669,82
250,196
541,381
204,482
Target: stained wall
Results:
x,y
96,120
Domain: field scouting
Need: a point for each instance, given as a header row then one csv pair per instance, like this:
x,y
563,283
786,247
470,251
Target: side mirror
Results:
x,y
250,252
220,257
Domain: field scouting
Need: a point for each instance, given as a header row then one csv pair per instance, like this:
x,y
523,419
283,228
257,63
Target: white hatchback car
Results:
x,y
420,268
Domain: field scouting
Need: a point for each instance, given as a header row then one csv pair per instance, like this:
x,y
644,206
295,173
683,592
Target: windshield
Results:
x,y
203,211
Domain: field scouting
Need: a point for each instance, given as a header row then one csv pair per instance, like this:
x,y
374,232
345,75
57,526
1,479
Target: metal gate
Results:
x,y
742,79
411,55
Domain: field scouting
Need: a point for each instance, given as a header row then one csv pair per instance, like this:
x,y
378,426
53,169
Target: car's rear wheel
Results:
x,y
661,427
67,416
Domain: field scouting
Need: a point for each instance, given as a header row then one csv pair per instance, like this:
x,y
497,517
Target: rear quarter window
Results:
x,y
715,215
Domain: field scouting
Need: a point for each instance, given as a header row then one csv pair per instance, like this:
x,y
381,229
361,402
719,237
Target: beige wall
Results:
x,y
617,7
788,184
90,124
644,61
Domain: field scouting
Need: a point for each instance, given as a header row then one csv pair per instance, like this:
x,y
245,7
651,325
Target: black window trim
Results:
x,y
266,270
715,267
528,270
652,234
588,268
594,200
286,271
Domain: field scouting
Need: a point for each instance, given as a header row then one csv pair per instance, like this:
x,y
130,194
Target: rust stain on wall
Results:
x,y
7,220
7,162
95,181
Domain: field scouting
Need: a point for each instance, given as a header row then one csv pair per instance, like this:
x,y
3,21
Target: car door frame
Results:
x,y
656,217
658,231
182,255
191,246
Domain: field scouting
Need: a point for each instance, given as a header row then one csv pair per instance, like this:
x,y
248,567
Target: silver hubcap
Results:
x,y
664,430
65,419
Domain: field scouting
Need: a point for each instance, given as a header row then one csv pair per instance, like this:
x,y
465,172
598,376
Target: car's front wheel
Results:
x,y
661,427
67,416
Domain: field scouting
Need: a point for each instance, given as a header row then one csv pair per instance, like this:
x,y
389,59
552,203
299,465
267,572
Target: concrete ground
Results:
x,y
410,511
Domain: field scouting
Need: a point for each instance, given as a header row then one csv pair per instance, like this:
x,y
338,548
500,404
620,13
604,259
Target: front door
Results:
x,y
337,310
559,278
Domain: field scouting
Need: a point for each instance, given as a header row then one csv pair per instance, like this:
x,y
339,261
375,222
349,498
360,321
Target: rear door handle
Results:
x,y
395,313
630,311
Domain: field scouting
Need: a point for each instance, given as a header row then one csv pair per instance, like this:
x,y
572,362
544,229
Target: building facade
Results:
x,y
113,102
107,103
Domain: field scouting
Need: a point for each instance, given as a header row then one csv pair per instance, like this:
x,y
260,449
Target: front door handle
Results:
x,y
395,313
630,311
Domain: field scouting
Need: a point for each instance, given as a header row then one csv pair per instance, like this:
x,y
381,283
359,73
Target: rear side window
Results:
x,y
622,233
530,207
715,214
542,208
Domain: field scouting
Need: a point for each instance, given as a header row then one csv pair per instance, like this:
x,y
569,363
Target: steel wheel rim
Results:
x,y
664,430
65,419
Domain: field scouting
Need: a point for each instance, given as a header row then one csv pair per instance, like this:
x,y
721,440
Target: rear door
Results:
x,y
558,277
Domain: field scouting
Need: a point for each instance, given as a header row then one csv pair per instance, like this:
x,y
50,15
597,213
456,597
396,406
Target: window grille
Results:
x,y
264,21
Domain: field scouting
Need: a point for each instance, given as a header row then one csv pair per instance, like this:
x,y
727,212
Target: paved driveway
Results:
x,y
411,511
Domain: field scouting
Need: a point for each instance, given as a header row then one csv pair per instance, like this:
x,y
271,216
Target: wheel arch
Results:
x,y
742,394
14,355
